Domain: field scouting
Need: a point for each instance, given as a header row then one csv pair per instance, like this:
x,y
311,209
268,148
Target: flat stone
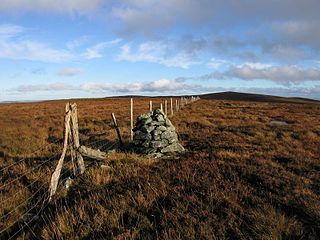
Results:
x,y
156,132
144,117
158,112
147,129
106,167
176,147
169,136
160,119
168,123
155,155
145,144
158,144
137,142
139,135
171,128
156,137
161,128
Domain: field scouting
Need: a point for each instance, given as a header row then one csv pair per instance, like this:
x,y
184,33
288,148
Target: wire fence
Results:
x,y
14,220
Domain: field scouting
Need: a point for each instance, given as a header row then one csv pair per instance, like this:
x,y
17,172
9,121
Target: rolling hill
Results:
x,y
236,96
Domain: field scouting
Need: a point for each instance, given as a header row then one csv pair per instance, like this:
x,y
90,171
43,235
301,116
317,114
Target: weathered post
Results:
x,y
171,106
161,107
56,174
150,106
131,119
177,105
117,128
75,138
166,107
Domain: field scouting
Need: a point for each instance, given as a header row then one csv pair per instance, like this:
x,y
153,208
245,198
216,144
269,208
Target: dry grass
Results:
x,y
242,178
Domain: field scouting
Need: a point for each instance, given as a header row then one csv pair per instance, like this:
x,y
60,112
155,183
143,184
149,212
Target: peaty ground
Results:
x,y
242,177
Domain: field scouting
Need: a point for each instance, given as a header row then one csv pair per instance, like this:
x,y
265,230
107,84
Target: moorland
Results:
x,y
242,177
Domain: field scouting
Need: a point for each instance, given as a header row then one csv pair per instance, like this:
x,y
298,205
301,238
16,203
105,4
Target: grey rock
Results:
x,y
144,117
156,137
106,167
171,128
169,136
158,112
145,144
160,119
150,150
139,135
155,155
161,128
156,132
68,182
158,144
176,147
137,142
147,129
168,123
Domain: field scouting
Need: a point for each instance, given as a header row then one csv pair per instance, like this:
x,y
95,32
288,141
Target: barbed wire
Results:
x,y
24,187
45,202
29,171
44,147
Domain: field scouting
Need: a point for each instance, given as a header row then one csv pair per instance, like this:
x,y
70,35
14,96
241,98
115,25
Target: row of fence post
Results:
x,y
71,137
179,103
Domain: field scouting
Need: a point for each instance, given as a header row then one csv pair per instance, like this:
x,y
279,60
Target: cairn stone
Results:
x,y
155,134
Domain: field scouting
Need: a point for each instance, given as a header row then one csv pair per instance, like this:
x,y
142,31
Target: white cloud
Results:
x,y
95,51
59,6
9,30
161,85
158,86
14,46
43,87
77,42
69,72
156,52
217,63
32,50
285,75
281,74
256,65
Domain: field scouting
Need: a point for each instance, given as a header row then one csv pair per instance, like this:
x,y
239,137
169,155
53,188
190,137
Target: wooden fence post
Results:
x,y
166,107
75,138
131,119
117,128
161,107
177,105
150,106
171,106
56,174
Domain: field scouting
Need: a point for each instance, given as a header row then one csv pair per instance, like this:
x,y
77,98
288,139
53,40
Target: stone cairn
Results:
x,y
155,135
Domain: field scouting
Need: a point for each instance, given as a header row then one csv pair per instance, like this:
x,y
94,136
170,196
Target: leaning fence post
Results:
x,y
171,106
161,107
56,174
131,119
117,128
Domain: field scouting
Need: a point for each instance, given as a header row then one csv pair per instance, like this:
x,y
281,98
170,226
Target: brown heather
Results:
x,y
242,178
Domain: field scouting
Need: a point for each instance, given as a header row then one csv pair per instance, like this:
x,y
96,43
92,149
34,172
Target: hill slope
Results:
x,y
236,96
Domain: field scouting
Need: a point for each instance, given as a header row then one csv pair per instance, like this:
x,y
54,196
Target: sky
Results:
x,y
53,49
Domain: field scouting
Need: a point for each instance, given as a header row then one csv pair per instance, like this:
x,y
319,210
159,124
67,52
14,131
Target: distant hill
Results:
x,y
236,96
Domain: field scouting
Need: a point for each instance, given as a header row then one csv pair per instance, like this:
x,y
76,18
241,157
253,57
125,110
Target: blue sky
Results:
x,y
51,49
